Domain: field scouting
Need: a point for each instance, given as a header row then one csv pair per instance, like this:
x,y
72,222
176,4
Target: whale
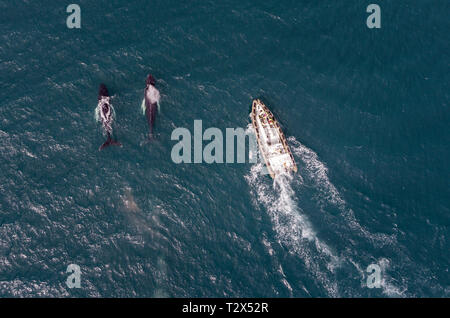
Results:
x,y
104,113
150,104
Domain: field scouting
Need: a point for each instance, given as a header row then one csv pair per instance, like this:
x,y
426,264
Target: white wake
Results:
x,y
292,227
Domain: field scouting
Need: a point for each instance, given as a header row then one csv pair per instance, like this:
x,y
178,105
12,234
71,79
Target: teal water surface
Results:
x,y
366,113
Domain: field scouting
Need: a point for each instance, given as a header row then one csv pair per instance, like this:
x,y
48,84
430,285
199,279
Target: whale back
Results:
x,y
102,91
150,80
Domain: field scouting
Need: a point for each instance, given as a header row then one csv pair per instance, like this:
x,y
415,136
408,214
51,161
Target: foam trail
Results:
x,y
291,226
316,172
388,288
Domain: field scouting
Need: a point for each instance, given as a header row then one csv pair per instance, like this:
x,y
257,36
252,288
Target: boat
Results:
x,y
271,140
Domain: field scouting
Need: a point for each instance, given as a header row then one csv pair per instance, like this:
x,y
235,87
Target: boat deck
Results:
x,y
271,140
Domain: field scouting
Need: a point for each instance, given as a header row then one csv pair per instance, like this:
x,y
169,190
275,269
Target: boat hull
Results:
x,y
271,141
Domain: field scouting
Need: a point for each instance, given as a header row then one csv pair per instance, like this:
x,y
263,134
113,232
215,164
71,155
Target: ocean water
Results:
x,y
366,113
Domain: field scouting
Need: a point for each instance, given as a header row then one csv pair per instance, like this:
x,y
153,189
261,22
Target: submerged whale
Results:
x,y
105,113
150,104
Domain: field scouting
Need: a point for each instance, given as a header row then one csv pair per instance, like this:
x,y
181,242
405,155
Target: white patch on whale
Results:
x,y
108,118
143,106
152,94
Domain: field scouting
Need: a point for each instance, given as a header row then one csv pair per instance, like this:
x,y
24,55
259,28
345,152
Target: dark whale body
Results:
x,y
102,91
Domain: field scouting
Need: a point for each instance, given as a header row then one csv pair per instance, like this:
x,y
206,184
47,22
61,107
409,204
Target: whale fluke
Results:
x,y
109,142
